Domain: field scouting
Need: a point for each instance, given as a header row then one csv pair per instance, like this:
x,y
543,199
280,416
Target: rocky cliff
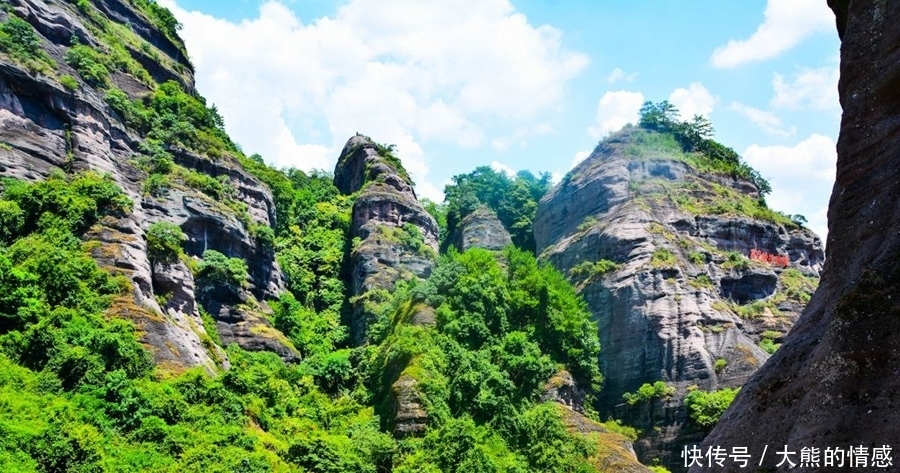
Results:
x,y
834,383
88,89
393,236
660,252
482,229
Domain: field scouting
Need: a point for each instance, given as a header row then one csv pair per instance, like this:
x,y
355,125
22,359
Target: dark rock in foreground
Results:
x,y
836,381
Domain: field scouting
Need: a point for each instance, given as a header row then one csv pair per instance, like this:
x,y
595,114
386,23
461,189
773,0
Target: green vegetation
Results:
x,y
796,286
702,281
695,140
587,224
769,346
648,392
19,40
514,200
705,408
616,426
161,17
409,236
727,201
767,341
593,269
164,241
697,257
68,82
89,63
735,260
216,268
79,392
720,365
663,258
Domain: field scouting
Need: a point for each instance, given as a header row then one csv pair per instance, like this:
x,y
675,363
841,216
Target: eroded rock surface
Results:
x,y
45,127
482,229
835,381
666,283
395,238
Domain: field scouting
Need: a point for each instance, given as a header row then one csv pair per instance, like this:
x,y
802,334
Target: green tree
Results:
x,y
705,408
164,242
216,268
514,200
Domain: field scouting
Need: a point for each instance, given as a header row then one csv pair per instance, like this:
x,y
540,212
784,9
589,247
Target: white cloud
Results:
x,y
695,100
619,75
403,73
786,24
615,110
809,89
801,176
503,168
580,156
769,123
520,136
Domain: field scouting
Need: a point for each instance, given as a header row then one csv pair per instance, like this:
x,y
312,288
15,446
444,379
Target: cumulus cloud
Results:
x,y
520,136
801,176
768,121
695,100
579,157
786,23
615,110
618,75
809,89
502,168
404,73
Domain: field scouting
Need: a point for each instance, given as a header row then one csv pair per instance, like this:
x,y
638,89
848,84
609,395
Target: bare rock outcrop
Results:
x,y
482,229
834,383
394,237
46,127
666,275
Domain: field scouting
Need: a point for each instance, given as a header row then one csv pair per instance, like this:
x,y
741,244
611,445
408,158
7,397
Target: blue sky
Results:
x,y
521,84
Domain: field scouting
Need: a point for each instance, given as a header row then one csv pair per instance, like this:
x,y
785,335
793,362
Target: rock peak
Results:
x,y
363,161
659,245
397,239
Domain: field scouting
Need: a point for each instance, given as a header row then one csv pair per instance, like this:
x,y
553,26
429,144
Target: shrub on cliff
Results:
x,y
164,241
18,39
705,408
216,268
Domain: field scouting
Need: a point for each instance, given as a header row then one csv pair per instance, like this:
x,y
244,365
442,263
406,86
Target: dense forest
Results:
x,y
79,392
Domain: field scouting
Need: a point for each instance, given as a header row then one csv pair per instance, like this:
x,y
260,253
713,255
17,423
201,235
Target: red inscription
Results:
x,y
778,260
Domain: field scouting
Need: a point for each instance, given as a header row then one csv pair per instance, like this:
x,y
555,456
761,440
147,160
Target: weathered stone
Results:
x,y
482,229
410,418
665,312
614,452
384,213
834,382
46,128
562,389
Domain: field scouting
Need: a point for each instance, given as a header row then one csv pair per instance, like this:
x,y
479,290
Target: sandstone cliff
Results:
x,y
393,236
67,105
834,383
659,251
482,229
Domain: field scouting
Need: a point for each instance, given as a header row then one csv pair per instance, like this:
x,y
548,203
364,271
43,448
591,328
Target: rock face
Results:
x,y
45,127
666,277
614,452
482,229
394,237
835,381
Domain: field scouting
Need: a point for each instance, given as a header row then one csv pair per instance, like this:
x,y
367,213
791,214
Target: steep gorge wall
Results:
x,y
834,383
668,309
